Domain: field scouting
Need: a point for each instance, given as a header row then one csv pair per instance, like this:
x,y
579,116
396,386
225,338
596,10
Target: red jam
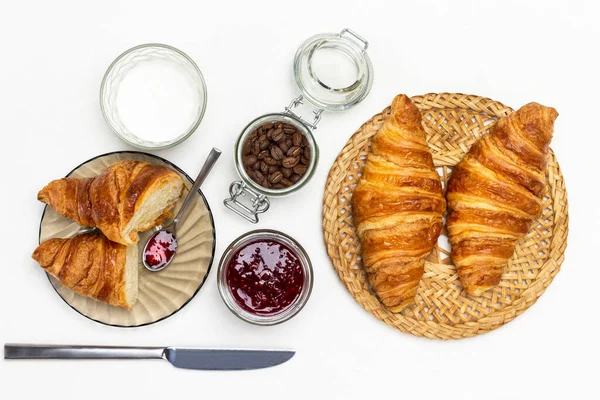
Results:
x,y
265,277
160,249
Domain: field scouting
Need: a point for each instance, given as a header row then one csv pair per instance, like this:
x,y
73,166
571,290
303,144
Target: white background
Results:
x,y
54,54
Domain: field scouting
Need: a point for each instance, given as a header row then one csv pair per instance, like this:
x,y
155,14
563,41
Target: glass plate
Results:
x,y
161,294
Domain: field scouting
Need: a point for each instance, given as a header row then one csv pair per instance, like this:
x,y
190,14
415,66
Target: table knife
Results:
x,y
180,357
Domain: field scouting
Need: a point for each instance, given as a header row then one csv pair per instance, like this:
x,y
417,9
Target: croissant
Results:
x,y
495,192
398,206
93,266
126,198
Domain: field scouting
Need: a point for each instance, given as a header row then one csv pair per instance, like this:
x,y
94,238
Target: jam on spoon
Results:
x,y
265,277
160,249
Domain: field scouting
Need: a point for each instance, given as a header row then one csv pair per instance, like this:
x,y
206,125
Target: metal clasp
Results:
x,y
297,102
356,36
255,203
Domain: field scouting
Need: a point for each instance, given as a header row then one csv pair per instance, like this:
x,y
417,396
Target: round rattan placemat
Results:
x,y
442,310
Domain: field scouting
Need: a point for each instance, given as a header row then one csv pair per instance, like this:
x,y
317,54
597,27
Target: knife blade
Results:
x,y
180,357
223,359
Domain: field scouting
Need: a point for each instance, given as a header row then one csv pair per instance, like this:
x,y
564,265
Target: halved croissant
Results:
x,y
93,266
398,206
126,198
495,192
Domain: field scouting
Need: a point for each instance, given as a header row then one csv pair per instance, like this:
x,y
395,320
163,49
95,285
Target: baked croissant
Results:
x,y
126,198
495,192
398,206
93,266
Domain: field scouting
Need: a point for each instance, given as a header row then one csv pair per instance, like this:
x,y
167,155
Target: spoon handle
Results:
x,y
208,164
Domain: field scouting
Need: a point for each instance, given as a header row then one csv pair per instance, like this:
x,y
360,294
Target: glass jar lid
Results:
x,y
333,70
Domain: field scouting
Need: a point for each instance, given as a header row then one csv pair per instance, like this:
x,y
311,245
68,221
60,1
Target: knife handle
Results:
x,y
41,351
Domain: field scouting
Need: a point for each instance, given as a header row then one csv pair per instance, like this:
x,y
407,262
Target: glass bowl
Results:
x,y
153,96
261,319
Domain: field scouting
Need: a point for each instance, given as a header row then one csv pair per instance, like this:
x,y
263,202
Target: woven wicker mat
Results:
x,y
442,309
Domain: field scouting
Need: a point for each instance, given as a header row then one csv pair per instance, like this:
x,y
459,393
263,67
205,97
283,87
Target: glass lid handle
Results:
x,y
356,36
253,205
297,102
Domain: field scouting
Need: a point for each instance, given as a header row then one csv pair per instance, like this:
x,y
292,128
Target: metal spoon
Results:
x,y
168,234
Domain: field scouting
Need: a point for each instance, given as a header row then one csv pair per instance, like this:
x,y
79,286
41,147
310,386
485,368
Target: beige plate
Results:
x,y
161,294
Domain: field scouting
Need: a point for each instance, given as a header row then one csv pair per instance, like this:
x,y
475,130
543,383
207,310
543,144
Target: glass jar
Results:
x,y
333,73
226,293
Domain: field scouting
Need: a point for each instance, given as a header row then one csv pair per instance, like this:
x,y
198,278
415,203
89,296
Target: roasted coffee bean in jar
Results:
x,y
276,155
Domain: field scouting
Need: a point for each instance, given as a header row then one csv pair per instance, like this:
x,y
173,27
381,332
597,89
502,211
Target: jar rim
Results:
x,y
290,311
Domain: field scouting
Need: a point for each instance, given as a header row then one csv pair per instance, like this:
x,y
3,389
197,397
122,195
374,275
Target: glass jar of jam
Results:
x,y
265,277
276,154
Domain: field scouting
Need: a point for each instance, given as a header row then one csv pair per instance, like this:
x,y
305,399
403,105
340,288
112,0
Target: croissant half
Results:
x,y
495,192
93,266
126,198
398,206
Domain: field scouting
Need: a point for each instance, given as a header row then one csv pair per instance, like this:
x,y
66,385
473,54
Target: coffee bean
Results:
x,y
264,167
270,133
273,168
268,125
304,141
307,152
256,165
259,131
288,142
289,130
290,162
263,154
255,148
283,146
275,177
300,169
289,126
278,186
294,152
259,177
277,135
304,160
271,161
286,172
264,143
297,139
276,153
247,148
249,160
286,182
295,178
